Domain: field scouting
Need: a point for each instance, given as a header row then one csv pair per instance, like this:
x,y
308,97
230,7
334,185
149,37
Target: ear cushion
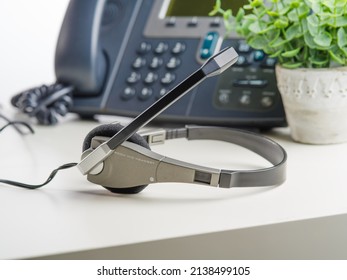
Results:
x,y
109,130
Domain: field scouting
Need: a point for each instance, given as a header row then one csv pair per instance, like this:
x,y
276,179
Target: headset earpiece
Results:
x,y
108,130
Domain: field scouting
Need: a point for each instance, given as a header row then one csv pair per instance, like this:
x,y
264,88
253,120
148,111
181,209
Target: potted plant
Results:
x,y
309,40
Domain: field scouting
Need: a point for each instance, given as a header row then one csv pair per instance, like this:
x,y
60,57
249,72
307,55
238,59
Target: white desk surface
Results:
x,y
71,214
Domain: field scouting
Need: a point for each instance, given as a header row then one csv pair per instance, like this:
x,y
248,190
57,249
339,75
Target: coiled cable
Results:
x,y
45,103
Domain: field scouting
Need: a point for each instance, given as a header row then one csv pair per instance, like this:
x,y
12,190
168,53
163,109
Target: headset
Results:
x,y
111,151
120,159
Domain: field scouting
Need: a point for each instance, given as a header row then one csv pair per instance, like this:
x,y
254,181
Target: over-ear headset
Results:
x,y
119,159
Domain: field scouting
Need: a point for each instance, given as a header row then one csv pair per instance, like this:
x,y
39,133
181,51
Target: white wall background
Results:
x,y
28,34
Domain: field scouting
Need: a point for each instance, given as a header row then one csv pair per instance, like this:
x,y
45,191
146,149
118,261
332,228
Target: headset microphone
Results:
x,y
213,66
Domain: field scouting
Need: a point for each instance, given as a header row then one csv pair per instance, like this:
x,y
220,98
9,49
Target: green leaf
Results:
x,y
323,39
329,4
293,31
277,43
273,35
341,21
227,14
304,11
321,62
273,13
256,3
216,8
291,53
337,58
292,65
258,42
240,14
267,30
294,4
313,24
276,54
282,8
257,27
293,16
341,37
310,41
344,51
315,6
281,23
334,4
228,25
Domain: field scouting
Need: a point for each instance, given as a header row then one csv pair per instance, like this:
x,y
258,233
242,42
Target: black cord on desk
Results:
x,y
50,178
15,125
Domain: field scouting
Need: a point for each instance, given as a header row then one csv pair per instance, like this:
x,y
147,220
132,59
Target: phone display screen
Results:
x,y
199,8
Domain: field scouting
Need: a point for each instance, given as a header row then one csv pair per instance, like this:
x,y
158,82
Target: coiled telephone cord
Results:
x,y
45,103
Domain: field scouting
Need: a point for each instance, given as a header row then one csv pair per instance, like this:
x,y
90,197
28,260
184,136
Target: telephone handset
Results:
x,y
79,58
118,57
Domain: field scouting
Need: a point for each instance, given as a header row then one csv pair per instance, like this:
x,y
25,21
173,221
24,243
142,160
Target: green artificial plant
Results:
x,y
299,33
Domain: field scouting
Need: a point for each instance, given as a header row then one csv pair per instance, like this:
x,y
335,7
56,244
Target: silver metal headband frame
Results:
x,y
131,165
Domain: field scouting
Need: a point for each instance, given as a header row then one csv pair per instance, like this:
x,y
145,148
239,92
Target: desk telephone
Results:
x,y
120,56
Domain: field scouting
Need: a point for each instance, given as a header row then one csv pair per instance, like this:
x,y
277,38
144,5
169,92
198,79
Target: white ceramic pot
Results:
x,y
315,102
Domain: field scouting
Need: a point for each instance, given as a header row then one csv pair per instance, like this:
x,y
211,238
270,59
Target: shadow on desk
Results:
x,y
321,238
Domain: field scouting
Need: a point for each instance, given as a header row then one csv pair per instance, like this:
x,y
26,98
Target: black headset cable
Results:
x,y
49,179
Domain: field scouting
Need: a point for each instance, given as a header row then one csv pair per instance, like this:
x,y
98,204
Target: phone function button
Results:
x,y
161,48
258,83
178,48
145,93
133,78
258,55
171,22
168,78
139,62
150,78
241,83
216,22
224,97
128,93
242,61
173,63
144,48
193,22
243,47
245,100
269,62
267,101
208,45
155,63
162,92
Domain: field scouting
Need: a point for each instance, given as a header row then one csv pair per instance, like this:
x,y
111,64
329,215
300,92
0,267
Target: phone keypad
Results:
x,y
153,70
